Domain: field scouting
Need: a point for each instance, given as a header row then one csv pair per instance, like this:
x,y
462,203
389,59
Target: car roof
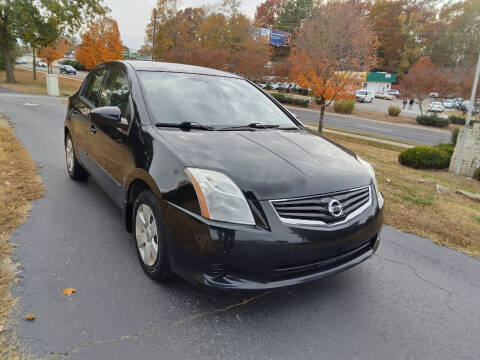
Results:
x,y
173,67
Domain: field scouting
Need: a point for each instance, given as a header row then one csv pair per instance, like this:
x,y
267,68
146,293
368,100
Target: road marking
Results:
x,y
373,127
29,104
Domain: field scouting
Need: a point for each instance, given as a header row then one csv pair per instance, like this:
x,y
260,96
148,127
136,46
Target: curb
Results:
x,y
362,137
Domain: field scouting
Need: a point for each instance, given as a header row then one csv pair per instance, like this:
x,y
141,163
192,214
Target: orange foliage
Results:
x,y
321,77
49,54
100,43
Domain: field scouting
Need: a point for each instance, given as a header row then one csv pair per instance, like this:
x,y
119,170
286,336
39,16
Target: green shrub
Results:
x,y
476,175
427,157
285,99
454,119
394,110
344,106
432,120
448,148
454,136
74,63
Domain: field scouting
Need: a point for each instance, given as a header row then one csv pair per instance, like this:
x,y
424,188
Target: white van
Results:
x,y
364,96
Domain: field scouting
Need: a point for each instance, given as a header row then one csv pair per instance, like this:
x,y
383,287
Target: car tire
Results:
x,y
74,169
149,236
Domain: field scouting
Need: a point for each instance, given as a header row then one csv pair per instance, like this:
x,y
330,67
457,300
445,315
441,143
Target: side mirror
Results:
x,y
110,116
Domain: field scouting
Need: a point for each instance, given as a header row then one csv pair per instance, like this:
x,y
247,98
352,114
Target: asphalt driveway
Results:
x,y
413,300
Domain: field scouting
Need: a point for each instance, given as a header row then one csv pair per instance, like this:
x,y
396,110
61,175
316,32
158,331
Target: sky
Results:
x,y
133,16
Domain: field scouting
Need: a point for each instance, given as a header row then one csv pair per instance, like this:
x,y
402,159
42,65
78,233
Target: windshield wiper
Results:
x,y
251,126
185,125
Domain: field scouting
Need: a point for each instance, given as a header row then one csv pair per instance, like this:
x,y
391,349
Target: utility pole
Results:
x,y
154,29
469,115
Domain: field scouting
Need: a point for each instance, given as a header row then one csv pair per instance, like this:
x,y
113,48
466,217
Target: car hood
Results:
x,y
271,164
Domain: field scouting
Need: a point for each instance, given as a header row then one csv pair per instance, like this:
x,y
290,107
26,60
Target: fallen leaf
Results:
x,y
68,291
30,317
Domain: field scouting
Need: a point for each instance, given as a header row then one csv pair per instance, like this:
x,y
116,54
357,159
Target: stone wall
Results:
x,y
471,153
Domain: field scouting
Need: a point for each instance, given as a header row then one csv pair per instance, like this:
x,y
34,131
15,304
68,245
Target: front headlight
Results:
x,y
370,169
220,199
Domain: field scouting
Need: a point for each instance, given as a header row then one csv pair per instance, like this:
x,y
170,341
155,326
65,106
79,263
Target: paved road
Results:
x,y
55,70
411,133
413,300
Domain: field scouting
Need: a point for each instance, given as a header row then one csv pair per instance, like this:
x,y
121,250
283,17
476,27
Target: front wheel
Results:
x,y
75,170
149,236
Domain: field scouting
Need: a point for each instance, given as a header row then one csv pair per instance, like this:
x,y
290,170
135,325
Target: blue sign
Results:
x,y
279,38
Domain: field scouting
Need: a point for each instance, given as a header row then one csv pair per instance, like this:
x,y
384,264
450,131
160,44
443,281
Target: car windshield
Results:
x,y
361,92
208,100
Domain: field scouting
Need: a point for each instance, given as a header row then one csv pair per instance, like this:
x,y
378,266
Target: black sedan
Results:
x,y
67,69
216,180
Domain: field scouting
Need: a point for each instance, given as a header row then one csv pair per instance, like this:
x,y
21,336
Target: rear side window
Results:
x,y
115,91
94,83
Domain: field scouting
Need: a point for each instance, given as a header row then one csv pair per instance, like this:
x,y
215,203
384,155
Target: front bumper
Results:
x,y
299,274
230,256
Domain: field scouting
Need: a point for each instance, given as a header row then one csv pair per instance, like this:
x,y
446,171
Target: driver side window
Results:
x,y
115,91
93,86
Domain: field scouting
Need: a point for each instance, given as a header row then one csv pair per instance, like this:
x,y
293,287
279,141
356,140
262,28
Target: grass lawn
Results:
x,y
451,220
26,84
19,185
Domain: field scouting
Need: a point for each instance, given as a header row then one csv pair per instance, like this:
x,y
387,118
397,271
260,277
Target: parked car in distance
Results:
x,y
218,189
275,85
364,96
434,95
41,64
465,105
436,106
384,95
449,104
21,61
67,69
393,92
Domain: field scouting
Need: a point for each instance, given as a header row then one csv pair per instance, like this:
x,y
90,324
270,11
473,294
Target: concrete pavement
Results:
x,y
413,300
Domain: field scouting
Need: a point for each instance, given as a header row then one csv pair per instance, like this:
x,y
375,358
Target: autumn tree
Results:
x,y
250,61
40,23
268,12
51,53
293,13
100,43
422,78
454,39
332,46
387,19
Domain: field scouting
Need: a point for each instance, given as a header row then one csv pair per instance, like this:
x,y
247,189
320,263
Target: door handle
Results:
x,y
92,128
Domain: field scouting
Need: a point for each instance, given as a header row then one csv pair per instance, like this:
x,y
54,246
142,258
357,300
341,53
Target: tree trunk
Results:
x,y
7,61
420,106
34,65
322,114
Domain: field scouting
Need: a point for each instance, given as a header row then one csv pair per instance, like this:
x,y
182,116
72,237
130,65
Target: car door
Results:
x,y
108,143
81,126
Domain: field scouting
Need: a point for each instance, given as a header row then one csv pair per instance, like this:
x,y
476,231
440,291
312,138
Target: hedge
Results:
x,y
454,119
432,120
427,157
394,110
285,99
476,175
454,136
344,106
74,63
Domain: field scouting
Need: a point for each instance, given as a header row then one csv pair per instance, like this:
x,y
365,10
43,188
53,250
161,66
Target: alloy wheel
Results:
x,y
146,233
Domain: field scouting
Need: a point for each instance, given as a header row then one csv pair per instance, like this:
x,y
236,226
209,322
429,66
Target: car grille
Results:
x,y
313,210
286,271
